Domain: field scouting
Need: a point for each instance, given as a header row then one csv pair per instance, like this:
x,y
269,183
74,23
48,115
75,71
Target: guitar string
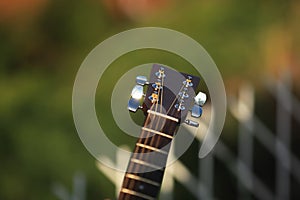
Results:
x,y
174,100
168,122
158,102
140,167
128,183
155,122
153,142
132,167
148,117
168,112
156,142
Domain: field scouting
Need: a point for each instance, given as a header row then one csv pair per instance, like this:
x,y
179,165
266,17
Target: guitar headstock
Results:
x,y
169,94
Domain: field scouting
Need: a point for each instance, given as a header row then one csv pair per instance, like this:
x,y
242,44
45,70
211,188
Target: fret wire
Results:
x,y
157,132
138,178
151,148
140,162
162,115
131,192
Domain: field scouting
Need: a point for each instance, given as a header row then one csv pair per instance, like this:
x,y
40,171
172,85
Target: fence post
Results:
x,y
283,129
245,137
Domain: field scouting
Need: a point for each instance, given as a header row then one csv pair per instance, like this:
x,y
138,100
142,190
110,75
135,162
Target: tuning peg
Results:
x,y
142,80
136,95
200,99
137,92
196,111
133,104
191,123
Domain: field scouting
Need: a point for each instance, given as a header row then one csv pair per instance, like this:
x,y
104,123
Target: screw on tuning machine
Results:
x,y
191,123
137,94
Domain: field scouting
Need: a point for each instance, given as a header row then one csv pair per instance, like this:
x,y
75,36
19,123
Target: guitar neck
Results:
x,y
168,96
146,167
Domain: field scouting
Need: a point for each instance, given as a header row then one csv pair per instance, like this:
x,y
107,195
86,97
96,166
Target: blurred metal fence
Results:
x,y
79,189
241,166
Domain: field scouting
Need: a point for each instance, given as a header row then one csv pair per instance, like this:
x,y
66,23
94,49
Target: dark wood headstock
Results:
x,y
166,90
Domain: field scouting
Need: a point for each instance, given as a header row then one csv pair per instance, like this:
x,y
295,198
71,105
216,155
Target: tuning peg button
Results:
x,y
200,99
142,80
196,111
133,104
137,92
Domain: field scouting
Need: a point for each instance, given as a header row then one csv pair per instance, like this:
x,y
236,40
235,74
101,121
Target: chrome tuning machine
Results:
x,y
197,110
137,94
200,100
142,80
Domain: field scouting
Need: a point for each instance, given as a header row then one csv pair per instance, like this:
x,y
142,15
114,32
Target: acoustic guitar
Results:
x,y
170,95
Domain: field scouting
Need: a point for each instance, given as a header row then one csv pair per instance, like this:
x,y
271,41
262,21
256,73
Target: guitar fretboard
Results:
x,y
147,164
